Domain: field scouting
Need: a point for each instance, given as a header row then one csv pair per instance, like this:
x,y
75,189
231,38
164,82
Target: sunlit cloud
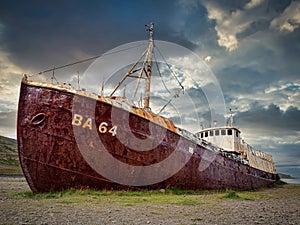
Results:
x,y
253,4
225,27
284,94
207,58
289,20
10,79
230,23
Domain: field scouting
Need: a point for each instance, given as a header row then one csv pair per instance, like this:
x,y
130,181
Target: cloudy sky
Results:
x,y
251,46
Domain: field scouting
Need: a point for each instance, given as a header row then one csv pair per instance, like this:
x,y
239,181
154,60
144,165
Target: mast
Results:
x,y
149,68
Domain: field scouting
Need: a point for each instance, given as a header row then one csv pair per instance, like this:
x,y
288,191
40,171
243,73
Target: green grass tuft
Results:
x,y
231,195
129,198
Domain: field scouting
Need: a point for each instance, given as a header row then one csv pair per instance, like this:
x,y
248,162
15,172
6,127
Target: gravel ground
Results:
x,y
280,205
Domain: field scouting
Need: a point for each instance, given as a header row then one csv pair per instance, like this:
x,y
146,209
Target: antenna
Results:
x,y
202,126
231,121
102,89
78,81
53,77
150,29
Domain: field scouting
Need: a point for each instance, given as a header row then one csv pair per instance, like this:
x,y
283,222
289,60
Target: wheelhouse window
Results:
x,y
206,133
236,133
201,134
223,132
229,132
211,133
217,132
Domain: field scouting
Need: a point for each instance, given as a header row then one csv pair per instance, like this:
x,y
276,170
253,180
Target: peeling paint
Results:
x,y
51,160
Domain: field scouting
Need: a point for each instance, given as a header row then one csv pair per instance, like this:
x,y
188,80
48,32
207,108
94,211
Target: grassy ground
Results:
x,y
276,205
168,196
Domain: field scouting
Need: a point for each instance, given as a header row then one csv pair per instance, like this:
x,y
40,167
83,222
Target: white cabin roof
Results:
x,y
219,128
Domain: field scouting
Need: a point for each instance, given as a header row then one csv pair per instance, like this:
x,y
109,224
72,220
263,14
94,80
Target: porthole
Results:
x,y
38,119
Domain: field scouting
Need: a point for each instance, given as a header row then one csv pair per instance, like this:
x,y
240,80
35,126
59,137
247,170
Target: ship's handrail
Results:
x,y
207,145
253,151
122,104
199,141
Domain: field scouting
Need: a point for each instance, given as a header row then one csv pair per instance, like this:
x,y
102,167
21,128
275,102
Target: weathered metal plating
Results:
x,y
51,160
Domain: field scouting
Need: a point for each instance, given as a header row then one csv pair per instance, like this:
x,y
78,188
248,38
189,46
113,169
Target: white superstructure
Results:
x,y
229,140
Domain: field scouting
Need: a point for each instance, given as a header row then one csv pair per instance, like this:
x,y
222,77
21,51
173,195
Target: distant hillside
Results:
x,y
9,160
8,145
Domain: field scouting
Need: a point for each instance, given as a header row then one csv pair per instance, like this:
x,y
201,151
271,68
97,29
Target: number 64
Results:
x,y
103,128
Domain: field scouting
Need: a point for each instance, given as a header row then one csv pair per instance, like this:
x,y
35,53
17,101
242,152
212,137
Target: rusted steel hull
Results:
x,y
58,150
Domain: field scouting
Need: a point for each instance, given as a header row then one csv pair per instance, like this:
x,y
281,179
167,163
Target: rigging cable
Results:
x,y
176,95
82,61
171,99
170,68
162,80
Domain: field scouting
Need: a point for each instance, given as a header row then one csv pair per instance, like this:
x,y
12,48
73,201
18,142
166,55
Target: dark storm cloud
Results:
x,y
289,48
43,34
287,158
271,118
236,79
255,26
255,67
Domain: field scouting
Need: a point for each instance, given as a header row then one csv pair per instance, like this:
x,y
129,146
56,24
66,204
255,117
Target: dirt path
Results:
x,y
280,205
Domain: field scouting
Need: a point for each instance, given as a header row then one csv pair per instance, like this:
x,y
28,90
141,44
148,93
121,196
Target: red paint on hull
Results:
x,y
54,154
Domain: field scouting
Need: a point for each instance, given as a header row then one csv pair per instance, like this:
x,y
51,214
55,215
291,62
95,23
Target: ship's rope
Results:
x,y
114,52
158,70
168,65
82,61
176,95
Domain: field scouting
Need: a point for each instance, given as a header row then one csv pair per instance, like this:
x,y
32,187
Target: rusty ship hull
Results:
x,y
58,150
